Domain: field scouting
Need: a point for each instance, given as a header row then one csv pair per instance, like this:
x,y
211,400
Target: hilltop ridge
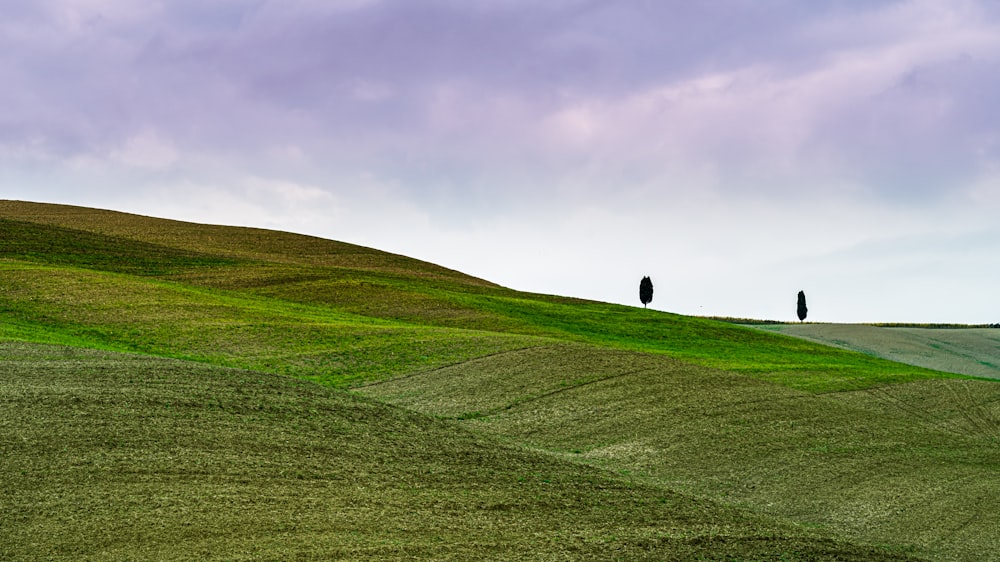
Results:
x,y
226,241
287,269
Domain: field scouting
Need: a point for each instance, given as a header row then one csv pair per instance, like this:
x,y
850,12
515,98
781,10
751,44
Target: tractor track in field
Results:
x,y
972,410
882,394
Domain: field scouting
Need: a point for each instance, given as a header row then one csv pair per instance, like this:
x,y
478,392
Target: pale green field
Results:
x,y
968,351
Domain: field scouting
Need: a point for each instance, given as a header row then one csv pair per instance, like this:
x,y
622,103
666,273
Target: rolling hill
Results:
x,y
760,446
110,456
914,463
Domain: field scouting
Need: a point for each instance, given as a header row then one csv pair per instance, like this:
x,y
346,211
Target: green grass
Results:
x,y
121,457
915,463
794,363
114,311
784,360
764,427
244,244
63,246
326,277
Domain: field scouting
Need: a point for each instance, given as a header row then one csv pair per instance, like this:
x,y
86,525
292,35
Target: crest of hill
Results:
x,y
254,244
430,308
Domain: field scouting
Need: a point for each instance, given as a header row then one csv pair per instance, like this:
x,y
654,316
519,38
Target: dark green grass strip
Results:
x,y
64,246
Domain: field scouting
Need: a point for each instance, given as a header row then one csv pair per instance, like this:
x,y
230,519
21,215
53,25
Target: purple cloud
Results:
x,y
465,113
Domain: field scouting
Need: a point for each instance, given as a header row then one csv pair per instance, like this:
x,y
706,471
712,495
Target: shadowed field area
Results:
x,y
969,351
107,456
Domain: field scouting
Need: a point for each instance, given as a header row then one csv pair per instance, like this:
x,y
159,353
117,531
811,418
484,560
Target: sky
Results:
x,y
735,151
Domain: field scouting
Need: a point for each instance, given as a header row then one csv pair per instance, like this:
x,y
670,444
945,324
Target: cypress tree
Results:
x,y
802,310
646,291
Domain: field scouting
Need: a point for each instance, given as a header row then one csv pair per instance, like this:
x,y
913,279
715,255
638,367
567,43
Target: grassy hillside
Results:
x,y
130,313
969,351
914,463
243,292
758,425
127,231
123,457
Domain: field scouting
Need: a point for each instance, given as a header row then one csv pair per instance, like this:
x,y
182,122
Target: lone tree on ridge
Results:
x,y
646,291
802,306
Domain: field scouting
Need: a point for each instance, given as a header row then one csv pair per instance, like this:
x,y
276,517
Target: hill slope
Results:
x,y
914,463
968,351
867,449
232,293
223,242
120,457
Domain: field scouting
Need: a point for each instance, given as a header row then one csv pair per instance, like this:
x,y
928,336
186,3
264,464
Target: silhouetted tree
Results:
x,y
645,291
802,306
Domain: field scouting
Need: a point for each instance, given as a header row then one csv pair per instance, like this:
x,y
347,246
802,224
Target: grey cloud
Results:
x,y
737,138
933,130
444,96
300,55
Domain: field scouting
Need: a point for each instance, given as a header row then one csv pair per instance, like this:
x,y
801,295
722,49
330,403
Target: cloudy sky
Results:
x,y
735,151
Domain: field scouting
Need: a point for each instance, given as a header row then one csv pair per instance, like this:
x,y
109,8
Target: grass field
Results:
x,y
765,446
122,457
969,351
914,463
